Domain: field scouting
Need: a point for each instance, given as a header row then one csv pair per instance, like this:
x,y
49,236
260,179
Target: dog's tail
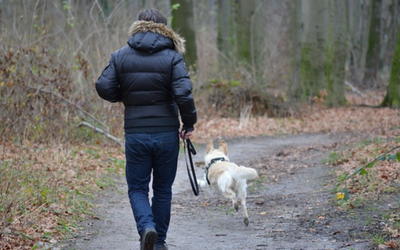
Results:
x,y
246,173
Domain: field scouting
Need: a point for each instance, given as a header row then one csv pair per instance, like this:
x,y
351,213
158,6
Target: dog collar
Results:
x,y
212,163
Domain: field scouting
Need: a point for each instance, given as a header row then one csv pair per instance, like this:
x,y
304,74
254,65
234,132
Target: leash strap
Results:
x,y
188,146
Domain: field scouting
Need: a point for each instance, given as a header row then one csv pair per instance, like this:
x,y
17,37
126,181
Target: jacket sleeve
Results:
x,y
182,91
107,86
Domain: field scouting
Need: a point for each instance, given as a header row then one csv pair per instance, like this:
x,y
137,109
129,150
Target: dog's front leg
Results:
x,y
201,183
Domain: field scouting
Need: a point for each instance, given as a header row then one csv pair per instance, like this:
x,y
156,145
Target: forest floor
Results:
x,y
290,206
294,204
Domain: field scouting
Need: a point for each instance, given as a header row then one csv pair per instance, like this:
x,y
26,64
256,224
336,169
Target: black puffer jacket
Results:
x,y
150,78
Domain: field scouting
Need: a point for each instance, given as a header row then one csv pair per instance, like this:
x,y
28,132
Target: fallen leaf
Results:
x,y
392,244
340,196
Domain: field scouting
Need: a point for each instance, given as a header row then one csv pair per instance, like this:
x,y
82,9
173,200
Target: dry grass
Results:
x,y
45,190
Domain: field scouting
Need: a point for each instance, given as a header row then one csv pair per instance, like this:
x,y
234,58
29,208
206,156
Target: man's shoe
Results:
x,y
161,246
148,239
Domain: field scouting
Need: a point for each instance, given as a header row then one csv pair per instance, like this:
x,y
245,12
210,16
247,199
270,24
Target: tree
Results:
x,y
250,36
358,19
336,53
373,50
206,25
226,31
392,98
106,7
183,23
240,35
295,31
313,57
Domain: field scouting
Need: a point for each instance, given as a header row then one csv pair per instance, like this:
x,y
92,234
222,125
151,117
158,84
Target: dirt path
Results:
x,y
288,206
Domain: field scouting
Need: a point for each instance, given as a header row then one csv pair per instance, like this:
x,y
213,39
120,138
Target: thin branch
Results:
x,y
354,89
17,233
70,103
22,215
115,139
374,160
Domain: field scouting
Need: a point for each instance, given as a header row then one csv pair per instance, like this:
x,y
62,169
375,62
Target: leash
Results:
x,y
188,146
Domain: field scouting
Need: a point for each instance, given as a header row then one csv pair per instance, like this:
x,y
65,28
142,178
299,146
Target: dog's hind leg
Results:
x,y
244,212
224,184
242,196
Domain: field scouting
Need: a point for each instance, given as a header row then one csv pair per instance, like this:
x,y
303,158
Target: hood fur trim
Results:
x,y
159,28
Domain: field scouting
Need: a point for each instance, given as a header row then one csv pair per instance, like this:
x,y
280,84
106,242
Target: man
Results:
x,y
150,78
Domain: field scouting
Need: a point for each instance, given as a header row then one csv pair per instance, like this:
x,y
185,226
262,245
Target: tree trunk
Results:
x,y
358,13
336,53
106,7
313,59
183,24
295,31
226,37
392,98
372,60
206,39
249,35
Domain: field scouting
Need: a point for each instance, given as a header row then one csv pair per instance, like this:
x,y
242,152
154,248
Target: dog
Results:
x,y
226,177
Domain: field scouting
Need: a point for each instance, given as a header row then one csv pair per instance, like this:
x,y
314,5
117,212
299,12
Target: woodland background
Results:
x,y
246,58
258,67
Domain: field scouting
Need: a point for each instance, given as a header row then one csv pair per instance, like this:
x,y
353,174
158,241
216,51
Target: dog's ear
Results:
x,y
210,147
223,147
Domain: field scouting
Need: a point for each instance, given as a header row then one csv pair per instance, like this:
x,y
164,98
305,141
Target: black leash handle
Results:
x,y
188,146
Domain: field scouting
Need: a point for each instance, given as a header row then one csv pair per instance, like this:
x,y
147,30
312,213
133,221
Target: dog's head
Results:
x,y
212,153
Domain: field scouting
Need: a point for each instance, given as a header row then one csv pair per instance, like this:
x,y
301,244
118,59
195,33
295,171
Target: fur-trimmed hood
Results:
x,y
159,28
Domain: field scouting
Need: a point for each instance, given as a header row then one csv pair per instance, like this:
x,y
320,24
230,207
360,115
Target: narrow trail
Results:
x,y
289,212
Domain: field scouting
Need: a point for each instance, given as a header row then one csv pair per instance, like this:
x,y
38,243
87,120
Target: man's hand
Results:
x,y
185,135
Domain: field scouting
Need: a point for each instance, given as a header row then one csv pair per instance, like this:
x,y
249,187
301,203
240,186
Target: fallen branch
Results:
x,y
17,234
113,138
354,89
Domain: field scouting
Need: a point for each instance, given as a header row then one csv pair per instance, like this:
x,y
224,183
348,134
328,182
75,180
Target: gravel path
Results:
x,y
288,206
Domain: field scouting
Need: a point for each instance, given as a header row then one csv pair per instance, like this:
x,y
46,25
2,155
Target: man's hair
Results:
x,y
152,15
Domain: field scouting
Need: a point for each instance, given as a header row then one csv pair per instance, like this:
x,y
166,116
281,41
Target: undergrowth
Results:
x,y
45,191
371,171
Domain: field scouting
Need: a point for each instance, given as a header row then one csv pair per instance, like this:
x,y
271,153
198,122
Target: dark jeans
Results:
x,y
146,153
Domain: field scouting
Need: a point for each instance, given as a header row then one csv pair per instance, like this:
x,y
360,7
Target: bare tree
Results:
x,y
358,18
295,32
374,43
250,36
206,25
226,31
392,98
313,57
183,23
336,53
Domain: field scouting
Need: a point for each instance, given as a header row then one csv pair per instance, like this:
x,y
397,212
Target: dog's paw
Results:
x,y
201,183
246,221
